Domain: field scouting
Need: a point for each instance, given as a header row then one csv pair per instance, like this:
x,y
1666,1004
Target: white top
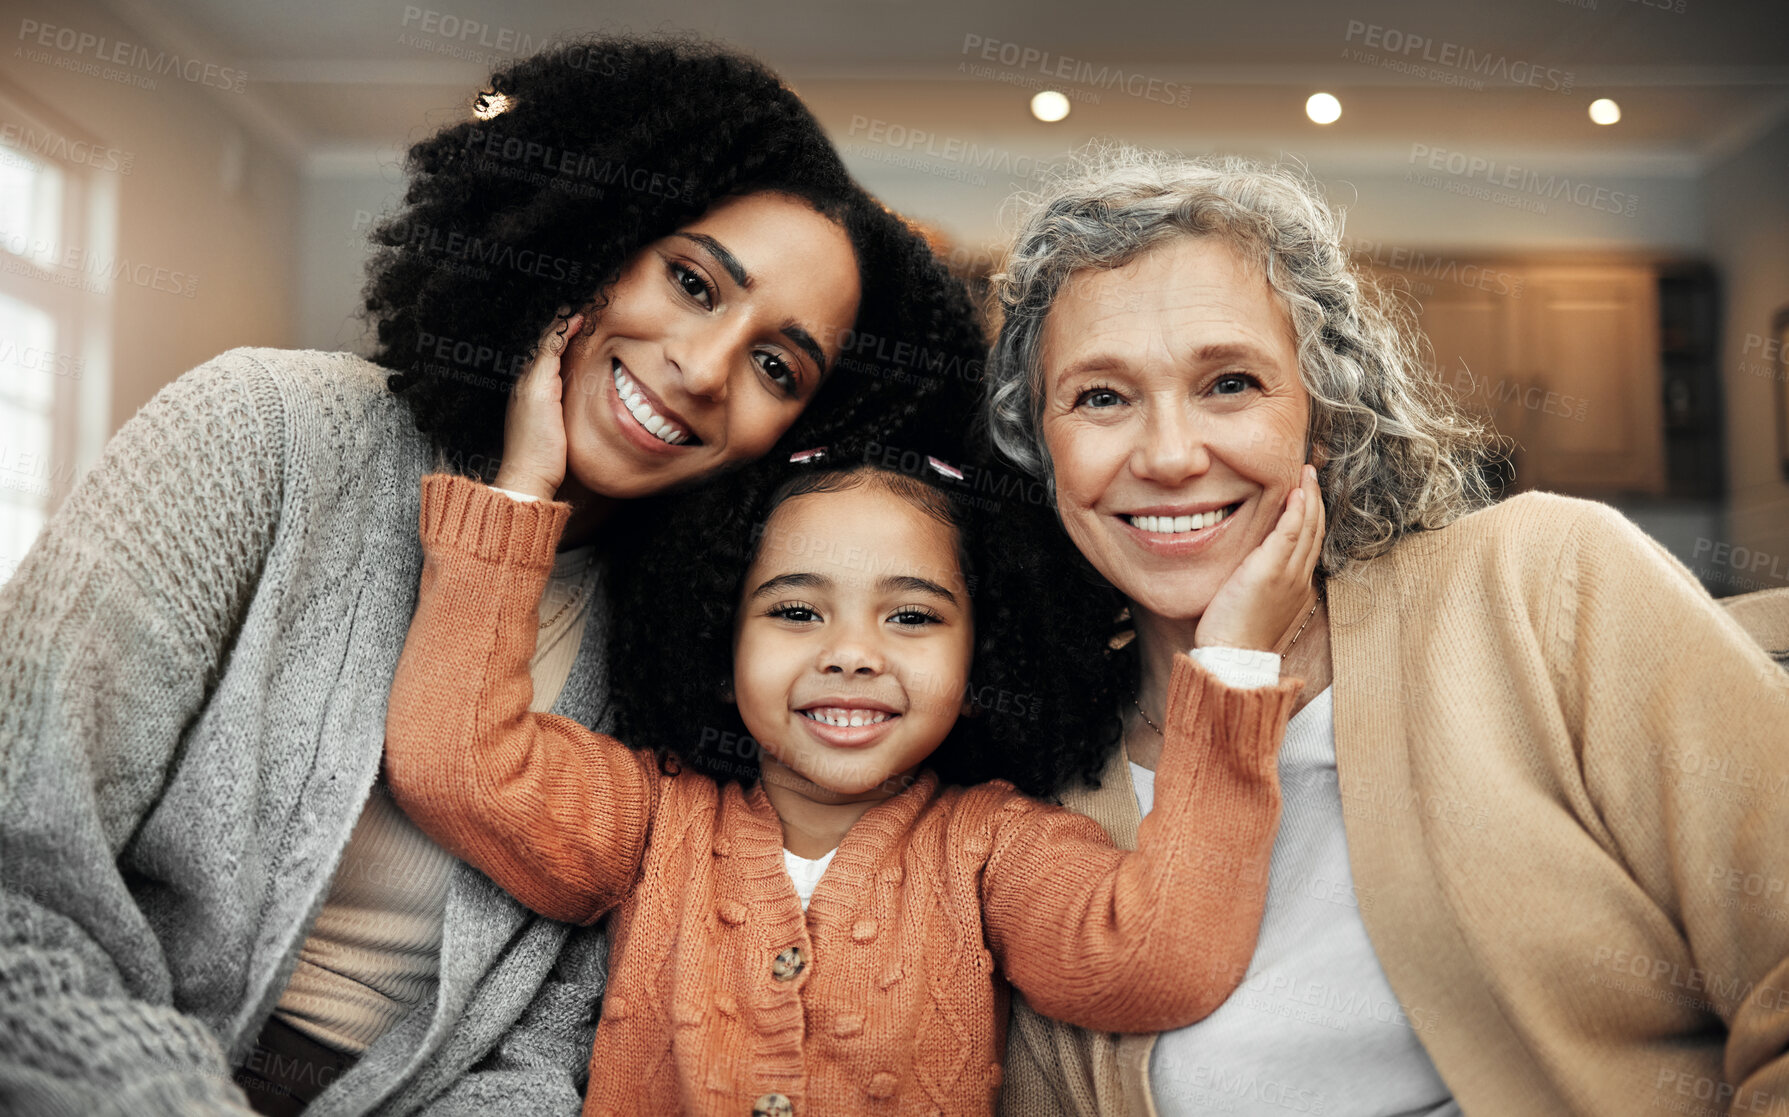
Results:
x,y
806,874
1314,1027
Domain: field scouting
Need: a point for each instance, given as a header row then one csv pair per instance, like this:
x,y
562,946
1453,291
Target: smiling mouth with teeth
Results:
x,y
839,716
634,400
1178,525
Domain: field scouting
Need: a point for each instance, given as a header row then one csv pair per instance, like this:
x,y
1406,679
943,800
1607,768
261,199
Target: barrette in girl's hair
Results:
x,y
490,104
949,471
815,454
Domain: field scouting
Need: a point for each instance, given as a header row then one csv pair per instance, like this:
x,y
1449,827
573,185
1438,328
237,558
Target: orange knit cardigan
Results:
x,y
889,994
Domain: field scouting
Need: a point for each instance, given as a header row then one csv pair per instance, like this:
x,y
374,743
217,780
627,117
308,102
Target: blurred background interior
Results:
x,y
179,177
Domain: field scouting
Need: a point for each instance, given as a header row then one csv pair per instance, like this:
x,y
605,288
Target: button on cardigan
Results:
x,y
890,994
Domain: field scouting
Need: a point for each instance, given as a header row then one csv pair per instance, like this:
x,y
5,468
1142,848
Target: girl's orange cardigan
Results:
x,y
889,995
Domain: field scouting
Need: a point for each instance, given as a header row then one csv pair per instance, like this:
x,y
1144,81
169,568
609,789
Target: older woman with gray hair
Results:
x,y
1536,796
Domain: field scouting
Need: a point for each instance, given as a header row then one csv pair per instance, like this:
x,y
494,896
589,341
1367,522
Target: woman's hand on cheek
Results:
x,y
534,429
1272,590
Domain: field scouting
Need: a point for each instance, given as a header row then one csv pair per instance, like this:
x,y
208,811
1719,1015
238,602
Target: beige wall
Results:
x,y
336,213
1747,206
1382,202
176,209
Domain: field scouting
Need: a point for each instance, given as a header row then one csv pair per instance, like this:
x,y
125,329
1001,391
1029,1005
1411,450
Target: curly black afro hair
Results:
x,y
592,150
1044,682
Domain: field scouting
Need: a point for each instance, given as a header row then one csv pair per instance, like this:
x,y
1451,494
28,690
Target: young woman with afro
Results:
x,y
208,902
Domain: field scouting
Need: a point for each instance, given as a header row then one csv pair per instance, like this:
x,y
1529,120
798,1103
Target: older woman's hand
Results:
x,y
1273,587
534,428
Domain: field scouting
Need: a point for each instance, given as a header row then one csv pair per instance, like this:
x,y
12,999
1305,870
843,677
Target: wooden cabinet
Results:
x,y
1593,333
1563,359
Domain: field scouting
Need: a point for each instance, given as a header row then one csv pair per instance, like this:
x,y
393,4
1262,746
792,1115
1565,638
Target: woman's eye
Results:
x,y
692,283
1098,398
781,373
1234,383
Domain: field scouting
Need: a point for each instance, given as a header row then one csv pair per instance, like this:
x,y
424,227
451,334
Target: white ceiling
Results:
x,y
341,84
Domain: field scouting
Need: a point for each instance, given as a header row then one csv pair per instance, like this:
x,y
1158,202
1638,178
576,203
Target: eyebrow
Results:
x,y
793,581
797,335
909,584
722,256
804,341
1228,351
892,583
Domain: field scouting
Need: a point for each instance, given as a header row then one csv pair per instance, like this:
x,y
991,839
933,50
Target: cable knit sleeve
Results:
x,y
1157,938
1683,726
112,631
555,813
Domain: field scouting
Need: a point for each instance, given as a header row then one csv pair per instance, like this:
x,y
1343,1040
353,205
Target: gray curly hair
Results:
x,y
1398,454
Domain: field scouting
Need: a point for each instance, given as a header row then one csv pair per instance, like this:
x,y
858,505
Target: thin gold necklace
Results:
x,y
574,594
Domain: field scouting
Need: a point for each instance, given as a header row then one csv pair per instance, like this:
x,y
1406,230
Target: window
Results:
x,y
54,323
27,406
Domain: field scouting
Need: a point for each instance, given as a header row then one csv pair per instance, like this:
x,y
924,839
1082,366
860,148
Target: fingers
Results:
x,y
1292,549
1311,530
1267,600
1279,550
538,380
1320,532
558,337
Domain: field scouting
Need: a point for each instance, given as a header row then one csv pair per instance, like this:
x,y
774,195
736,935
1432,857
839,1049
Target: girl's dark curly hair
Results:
x,y
1077,645
677,592
593,150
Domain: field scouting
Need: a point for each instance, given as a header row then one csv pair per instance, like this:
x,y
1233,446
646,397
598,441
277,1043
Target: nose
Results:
x,y
852,652
1171,446
706,357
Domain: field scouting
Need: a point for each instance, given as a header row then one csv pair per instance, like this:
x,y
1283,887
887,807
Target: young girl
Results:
x,y
852,639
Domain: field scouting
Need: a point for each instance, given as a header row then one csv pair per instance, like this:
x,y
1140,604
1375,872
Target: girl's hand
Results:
x,y
1272,591
534,428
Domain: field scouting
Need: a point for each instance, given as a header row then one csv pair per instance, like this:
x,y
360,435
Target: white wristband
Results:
x,y
1244,668
525,498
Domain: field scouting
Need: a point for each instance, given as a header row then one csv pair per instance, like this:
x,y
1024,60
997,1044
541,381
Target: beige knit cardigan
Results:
x,y
1565,780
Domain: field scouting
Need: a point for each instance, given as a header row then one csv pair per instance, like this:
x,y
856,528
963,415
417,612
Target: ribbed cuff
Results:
x,y
1252,719
475,519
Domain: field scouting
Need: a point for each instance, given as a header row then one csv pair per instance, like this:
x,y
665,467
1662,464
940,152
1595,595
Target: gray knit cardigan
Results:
x,y
194,661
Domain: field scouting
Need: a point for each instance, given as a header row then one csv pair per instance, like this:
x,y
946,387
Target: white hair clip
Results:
x,y
815,454
489,105
949,471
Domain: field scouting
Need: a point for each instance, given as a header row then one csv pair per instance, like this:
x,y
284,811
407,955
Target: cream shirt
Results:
x,y
1314,1027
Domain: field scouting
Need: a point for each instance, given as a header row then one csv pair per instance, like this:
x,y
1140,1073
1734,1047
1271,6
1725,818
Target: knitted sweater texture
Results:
x,y
889,995
194,663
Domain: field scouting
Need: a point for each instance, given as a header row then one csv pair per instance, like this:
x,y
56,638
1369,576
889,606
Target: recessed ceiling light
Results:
x,y
1604,111
1323,108
1049,106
